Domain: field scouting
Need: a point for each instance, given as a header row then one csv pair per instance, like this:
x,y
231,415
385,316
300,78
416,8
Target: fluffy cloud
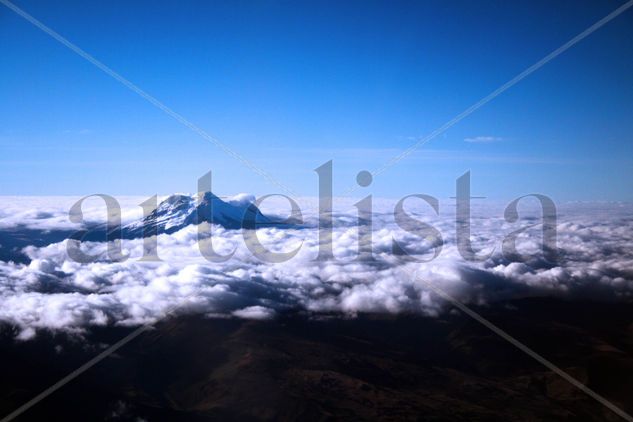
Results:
x,y
483,139
53,292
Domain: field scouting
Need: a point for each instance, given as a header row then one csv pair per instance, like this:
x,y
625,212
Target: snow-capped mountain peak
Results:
x,y
178,211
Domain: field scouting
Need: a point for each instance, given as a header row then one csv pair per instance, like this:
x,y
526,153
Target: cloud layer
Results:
x,y
53,292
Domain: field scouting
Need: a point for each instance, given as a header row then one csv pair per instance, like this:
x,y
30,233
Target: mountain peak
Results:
x,y
178,211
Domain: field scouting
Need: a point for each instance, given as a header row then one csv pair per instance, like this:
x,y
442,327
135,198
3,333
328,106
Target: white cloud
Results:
x,y
53,292
483,139
255,312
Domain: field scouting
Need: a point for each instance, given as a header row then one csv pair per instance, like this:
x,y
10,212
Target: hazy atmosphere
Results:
x,y
316,210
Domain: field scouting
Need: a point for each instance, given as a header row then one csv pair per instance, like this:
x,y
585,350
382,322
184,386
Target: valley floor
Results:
x,y
365,368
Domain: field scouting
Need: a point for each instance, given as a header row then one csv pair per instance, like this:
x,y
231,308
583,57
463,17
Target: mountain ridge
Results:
x,y
179,210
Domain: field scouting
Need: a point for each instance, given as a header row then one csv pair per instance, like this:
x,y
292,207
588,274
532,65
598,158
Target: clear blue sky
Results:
x,y
290,85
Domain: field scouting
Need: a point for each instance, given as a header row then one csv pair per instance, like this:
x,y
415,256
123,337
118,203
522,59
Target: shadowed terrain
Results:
x,y
369,367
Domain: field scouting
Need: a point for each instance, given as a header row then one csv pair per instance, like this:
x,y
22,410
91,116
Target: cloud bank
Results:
x,y
53,292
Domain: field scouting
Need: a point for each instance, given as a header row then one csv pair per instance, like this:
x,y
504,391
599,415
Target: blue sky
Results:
x,y
290,85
